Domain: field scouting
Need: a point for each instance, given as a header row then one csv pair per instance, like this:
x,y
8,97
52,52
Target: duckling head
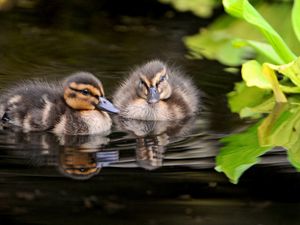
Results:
x,y
153,82
83,91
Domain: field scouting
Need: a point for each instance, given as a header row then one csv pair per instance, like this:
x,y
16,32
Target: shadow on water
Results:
x,y
142,172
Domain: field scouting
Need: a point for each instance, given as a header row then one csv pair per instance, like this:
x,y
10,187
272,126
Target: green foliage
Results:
x,y
231,40
216,43
296,18
244,10
202,8
252,96
259,80
241,151
246,100
281,128
263,75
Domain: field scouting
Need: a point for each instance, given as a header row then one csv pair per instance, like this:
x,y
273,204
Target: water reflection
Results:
x,y
77,157
152,137
146,144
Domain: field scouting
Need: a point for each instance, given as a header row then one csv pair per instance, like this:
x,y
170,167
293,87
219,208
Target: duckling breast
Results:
x,y
96,121
140,109
83,122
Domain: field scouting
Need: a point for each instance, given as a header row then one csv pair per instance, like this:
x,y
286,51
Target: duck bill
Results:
x,y
153,95
107,106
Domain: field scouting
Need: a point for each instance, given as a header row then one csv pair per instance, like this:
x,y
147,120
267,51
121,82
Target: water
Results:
x,y
141,173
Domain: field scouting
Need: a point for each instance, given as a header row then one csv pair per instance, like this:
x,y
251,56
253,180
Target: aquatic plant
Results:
x,y
202,8
231,40
271,78
226,39
278,73
281,128
279,59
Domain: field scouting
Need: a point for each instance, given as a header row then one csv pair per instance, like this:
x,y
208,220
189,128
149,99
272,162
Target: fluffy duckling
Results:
x,y
155,91
73,106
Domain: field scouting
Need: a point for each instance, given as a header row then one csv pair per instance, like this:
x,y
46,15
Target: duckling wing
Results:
x,y
185,93
32,105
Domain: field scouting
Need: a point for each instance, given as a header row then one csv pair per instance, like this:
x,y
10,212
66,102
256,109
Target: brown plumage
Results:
x,y
156,91
74,106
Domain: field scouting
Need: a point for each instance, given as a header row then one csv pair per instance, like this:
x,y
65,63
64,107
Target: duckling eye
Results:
x,y
85,92
142,83
163,78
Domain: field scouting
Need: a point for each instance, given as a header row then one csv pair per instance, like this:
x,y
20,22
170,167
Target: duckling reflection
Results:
x,y
79,157
149,152
152,138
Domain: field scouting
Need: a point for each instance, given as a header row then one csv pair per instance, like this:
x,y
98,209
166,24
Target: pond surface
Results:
x,y
141,173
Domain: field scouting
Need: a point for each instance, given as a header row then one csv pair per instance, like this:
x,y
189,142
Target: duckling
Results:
x,y
157,92
75,105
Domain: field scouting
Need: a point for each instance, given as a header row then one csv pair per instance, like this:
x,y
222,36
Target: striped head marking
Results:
x,y
153,82
83,91
82,96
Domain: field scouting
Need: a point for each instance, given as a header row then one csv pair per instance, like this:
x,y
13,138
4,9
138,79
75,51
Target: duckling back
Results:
x,y
30,105
156,91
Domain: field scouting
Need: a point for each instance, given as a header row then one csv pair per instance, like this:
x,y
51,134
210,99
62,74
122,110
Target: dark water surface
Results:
x,y
141,173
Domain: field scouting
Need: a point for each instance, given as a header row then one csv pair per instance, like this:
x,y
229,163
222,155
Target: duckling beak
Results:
x,y
153,95
106,105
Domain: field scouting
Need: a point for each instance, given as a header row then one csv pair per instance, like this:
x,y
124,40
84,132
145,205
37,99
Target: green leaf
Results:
x,y
271,76
268,124
296,18
288,89
244,96
291,70
265,77
214,45
253,76
244,10
202,8
282,128
218,40
256,111
294,154
262,48
240,152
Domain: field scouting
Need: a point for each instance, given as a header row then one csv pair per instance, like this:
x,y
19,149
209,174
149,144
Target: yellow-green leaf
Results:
x,y
253,76
271,76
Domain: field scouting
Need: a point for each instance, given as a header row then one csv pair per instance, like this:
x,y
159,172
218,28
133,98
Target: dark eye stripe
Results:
x,y
84,92
144,83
